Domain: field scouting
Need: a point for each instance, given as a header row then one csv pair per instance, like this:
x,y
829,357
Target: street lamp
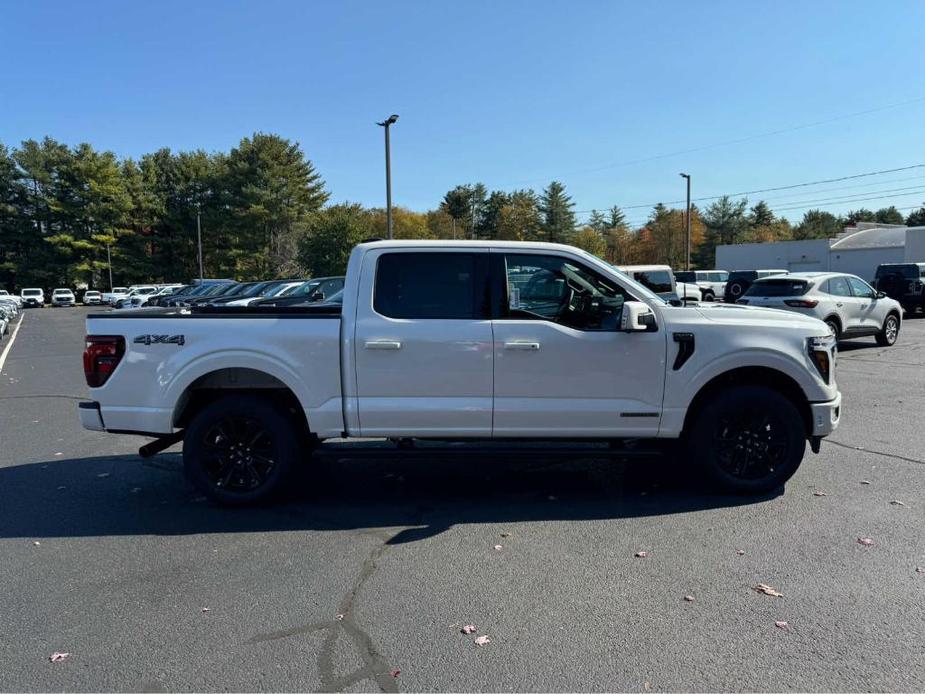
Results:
x,y
199,237
688,219
388,172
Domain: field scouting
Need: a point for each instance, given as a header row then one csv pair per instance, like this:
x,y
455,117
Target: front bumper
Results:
x,y
90,416
826,415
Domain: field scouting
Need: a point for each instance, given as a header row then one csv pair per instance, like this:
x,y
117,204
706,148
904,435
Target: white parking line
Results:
x,y
10,343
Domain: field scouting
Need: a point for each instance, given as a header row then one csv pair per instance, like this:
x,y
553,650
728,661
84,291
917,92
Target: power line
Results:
x,y
765,190
726,143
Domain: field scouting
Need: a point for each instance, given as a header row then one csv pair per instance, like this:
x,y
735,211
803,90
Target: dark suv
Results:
x,y
740,280
904,282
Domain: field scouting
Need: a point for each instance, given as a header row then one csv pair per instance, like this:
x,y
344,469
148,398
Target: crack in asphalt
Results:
x,y
375,666
870,450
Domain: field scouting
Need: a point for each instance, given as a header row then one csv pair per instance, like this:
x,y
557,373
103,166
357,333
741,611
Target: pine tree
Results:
x,y
558,216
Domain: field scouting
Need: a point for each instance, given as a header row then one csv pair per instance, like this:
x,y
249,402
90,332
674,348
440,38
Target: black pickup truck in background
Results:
x,y
904,282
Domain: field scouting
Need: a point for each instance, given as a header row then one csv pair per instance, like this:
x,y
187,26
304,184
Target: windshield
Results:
x,y
282,289
305,289
781,287
31,292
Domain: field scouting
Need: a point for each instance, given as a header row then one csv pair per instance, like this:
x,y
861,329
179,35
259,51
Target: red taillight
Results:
x,y
101,357
801,303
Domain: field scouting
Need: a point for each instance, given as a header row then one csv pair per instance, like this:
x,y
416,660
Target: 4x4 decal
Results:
x,y
160,340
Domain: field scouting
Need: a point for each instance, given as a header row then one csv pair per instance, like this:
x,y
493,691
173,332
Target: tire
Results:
x,y
241,450
729,445
735,290
709,296
834,326
890,332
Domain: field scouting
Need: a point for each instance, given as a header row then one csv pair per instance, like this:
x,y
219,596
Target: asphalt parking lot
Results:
x,y
363,579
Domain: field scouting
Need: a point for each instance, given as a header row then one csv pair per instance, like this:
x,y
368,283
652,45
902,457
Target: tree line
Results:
x,y
66,213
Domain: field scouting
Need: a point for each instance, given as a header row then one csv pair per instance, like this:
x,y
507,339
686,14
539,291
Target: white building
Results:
x,y
857,250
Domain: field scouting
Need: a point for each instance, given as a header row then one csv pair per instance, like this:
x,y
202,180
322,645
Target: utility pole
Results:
x,y
687,217
199,238
388,172
109,260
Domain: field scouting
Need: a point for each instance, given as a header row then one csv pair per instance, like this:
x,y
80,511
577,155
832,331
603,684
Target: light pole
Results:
x,y
687,177
199,238
388,172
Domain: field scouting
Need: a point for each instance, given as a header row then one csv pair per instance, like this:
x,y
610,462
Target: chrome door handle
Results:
x,y
523,346
383,344
839,305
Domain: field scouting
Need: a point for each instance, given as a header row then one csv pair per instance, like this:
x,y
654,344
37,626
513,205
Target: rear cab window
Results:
x,y
432,285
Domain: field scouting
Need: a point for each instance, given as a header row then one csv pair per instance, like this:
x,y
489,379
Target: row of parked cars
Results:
x,y
846,303
10,306
226,292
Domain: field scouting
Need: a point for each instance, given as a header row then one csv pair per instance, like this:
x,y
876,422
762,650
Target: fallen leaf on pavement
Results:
x,y
394,673
36,543
642,554
768,590
505,534
688,598
339,617
469,629
206,609
58,657
498,548
865,481
740,552
866,541
482,640
781,624
897,502
920,569
819,494
59,453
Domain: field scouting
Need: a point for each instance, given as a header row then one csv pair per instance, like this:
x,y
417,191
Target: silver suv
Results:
x,y
848,305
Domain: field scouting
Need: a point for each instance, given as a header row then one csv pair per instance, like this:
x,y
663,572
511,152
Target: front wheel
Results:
x,y
748,440
890,331
240,450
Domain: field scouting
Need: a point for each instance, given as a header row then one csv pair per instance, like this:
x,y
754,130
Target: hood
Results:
x,y
737,314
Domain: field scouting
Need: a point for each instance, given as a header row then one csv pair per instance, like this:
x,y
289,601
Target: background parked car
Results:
x,y
848,305
312,291
92,297
904,282
712,283
114,292
198,289
32,297
4,294
142,298
136,290
63,297
272,289
739,281
661,280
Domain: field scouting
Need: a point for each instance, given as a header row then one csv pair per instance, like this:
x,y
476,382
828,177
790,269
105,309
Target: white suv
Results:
x,y
850,306
63,297
712,283
32,297
661,280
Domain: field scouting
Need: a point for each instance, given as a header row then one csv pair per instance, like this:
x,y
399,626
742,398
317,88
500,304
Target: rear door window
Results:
x,y
838,286
432,286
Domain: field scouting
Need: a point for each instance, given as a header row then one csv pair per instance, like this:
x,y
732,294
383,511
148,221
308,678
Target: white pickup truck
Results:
x,y
459,341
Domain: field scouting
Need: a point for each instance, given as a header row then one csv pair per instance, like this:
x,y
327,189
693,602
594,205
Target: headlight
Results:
x,y
821,352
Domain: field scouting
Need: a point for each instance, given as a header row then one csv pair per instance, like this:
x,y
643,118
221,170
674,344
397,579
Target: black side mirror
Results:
x,y
881,295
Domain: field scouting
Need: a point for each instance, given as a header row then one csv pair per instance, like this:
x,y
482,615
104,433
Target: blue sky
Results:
x,y
513,94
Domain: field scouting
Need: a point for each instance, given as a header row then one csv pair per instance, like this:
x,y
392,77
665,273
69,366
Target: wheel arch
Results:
x,y
752,376
220,382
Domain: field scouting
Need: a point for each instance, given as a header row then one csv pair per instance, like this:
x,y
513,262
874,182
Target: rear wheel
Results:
x,y
834,326
240,450
708,295
748,440
890,331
